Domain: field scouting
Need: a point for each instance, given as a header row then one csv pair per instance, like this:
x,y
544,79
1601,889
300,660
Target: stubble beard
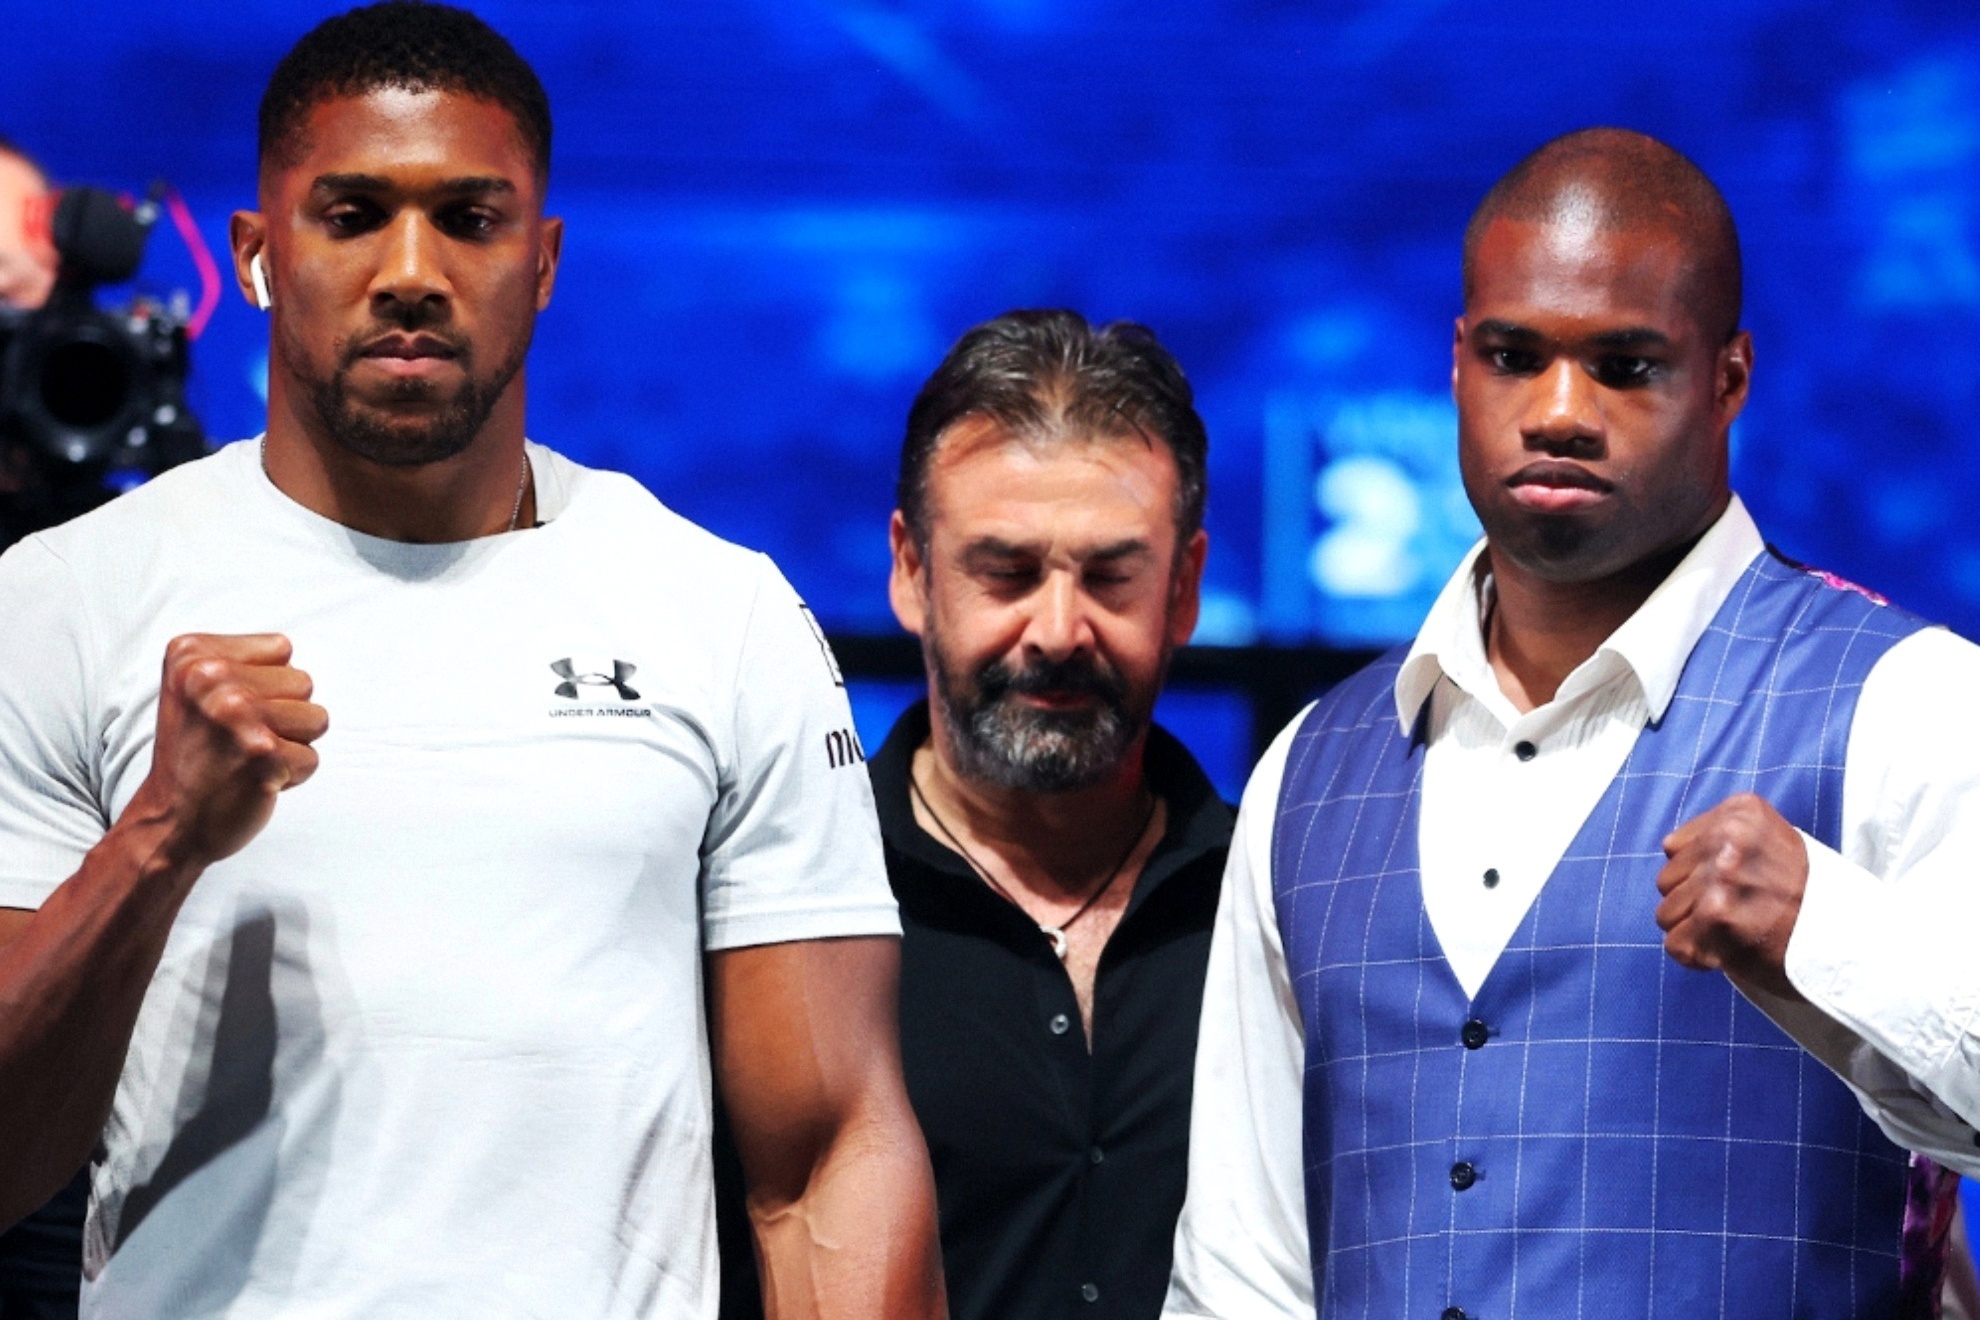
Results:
x,y
1643,521
1570,551
369,433
1002,741
1559,549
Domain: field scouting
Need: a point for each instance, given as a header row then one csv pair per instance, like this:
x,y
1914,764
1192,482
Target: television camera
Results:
x,y
92,399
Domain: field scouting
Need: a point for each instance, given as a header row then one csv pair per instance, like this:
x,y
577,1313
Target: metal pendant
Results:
x,y
1056,934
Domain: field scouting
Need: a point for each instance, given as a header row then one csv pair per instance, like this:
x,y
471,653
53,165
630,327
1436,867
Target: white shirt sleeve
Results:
x,y
1241,1245
50,813
792,850
1884,947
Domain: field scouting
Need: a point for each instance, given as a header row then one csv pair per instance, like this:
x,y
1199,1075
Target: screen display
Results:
x,y
780,214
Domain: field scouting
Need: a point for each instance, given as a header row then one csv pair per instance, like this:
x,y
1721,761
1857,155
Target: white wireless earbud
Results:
x,y
258,274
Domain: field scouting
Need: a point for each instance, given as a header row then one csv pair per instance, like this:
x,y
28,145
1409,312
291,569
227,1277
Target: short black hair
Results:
x,y
1628,180
412,44
1042,372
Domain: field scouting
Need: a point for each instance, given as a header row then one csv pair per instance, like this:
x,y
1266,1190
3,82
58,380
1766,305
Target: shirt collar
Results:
x,y
1652,644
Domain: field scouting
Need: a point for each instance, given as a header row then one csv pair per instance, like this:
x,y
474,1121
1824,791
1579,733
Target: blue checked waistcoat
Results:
x,y
1601,1132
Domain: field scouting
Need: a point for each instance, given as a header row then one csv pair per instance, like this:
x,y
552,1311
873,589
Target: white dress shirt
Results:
x,y
1884,948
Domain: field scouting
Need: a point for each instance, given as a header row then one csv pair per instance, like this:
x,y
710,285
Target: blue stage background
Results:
x,y
781,211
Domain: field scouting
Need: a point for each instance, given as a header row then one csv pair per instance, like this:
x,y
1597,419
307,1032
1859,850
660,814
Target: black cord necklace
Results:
x,y
1057,934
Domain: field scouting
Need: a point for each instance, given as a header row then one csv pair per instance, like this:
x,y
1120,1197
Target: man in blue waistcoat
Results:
x,y
1552,971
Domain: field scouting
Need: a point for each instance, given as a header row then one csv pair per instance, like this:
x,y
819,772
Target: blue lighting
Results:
x,y
780,214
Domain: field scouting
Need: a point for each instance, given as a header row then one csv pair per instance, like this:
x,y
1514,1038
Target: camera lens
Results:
x,y
78,383
84,384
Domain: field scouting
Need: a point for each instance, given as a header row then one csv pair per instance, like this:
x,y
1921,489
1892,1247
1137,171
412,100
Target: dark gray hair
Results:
x,y
1040,372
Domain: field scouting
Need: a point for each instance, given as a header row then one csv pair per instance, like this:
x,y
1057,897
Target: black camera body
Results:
x,y
92,400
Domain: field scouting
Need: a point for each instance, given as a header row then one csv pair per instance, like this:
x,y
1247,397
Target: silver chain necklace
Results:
x,y
515,510
1056,934
522,488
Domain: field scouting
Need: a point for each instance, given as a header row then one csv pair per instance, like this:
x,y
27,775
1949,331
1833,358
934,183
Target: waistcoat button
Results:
x,y
1492,877
1463,1175
1525,751
1453,1313
1475,1034
1090,1291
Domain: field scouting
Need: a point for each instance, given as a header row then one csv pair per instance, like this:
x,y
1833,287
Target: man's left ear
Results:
x,y
549,251
247,235
1735,375
1186,588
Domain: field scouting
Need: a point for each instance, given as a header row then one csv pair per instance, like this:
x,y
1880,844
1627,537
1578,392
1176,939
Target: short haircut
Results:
x,y
1048,374
1630,181
407,44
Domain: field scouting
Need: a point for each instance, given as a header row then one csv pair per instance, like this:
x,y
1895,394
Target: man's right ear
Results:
x,y
907,585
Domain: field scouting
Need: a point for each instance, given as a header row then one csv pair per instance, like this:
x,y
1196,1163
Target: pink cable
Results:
x,y
209,272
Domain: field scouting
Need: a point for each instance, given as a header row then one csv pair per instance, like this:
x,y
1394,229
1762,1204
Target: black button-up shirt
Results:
x,y
1059,1173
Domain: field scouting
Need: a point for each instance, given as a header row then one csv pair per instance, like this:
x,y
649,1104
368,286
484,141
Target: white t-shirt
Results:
x,y
433,1044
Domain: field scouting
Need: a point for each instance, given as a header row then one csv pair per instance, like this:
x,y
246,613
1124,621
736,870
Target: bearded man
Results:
x,y
1056,856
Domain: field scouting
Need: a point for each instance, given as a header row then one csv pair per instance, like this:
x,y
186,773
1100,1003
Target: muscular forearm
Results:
x,y
71,982
840,1189
234,727
860,1241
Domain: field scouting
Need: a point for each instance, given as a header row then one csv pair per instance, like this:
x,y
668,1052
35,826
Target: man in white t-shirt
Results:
x,y
434,1034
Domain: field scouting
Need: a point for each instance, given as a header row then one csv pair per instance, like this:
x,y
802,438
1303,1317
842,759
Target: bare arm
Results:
x,y
807,1052
234,721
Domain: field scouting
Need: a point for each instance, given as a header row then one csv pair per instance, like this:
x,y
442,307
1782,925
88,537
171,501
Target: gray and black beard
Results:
x,y
392,443
1012,745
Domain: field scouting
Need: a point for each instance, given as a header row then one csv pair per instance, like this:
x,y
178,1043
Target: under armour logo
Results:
x,y
621,671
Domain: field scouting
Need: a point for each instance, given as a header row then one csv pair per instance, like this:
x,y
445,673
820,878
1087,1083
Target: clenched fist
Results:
x,y
235,724
1732,891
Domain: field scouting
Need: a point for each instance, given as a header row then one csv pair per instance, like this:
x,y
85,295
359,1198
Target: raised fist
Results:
x,y
234,727
1732,891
